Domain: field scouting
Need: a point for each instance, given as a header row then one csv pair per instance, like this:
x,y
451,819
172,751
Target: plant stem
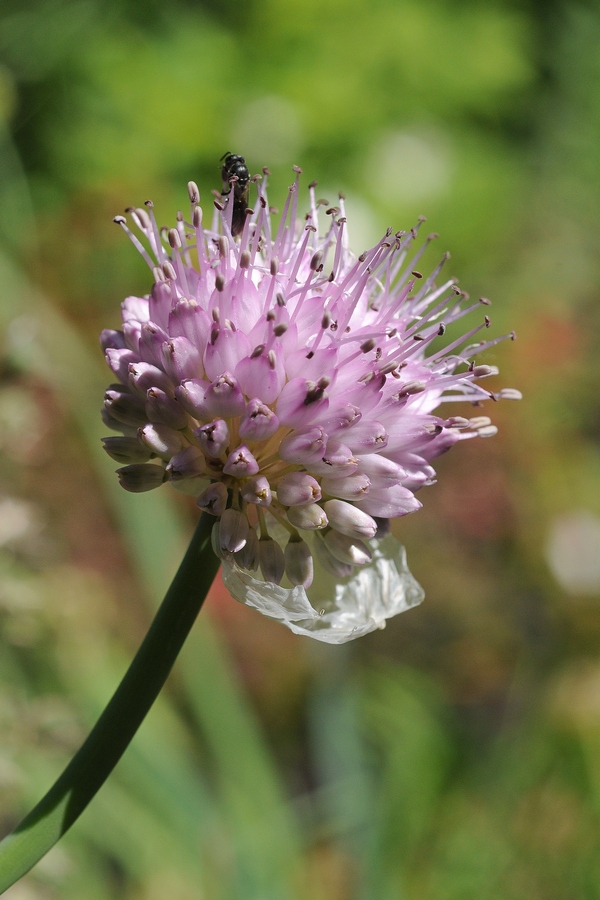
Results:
x,y
110,737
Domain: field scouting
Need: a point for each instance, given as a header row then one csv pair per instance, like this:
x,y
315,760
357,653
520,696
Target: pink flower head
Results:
x,y
295,390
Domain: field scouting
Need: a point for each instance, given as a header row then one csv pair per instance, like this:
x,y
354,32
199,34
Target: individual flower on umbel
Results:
x,y
292,388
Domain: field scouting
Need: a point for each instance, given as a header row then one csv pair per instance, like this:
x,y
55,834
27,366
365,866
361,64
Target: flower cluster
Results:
x,y
291,388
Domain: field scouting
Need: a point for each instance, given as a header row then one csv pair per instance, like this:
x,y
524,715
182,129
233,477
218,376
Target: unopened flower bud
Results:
x,y
328,561
223,397
214,499
338,461
241,463
143,375
306,447
190,396
309,518
350,551
271,560
162,408
299,563
298,489
257,490
188,463
355,487
125,407
233,530
161,439
141,477
213,438
126,449
258,422
349,520
247,557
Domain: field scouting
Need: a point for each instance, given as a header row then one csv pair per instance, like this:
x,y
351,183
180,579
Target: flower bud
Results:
x,y
240,463
309,518
271,560
126,449
214,499
303,448
329,562
247,557
298,489
162,440
188,463
181,359
257,490
350,551
223,397
355,487
142,376
213,438
162,408
258,421
299,563
366,437
190,395
338,461
233,530
141,477
349,520
125,407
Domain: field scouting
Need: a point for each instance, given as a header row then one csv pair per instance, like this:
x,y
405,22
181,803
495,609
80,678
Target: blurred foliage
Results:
x,y
455,755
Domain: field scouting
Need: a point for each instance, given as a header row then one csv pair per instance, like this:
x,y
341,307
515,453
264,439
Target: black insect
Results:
x,y
235,167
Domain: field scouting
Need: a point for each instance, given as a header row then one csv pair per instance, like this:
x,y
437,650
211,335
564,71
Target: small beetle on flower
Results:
x,y
292,388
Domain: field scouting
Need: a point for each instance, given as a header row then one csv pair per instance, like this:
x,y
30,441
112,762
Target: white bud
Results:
x,y
271,559
350,520
233,530
161,439
247,557
298,489
347,550
299,563
257,490
309,517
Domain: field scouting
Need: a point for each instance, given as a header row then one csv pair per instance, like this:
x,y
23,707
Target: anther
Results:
x,y
485,301
326,320
270,316
274,266
174,239
280,329
316,261
257,351
244,259
367,346
193,192
219,283
223,246
169,271
272,358
442,329
197,217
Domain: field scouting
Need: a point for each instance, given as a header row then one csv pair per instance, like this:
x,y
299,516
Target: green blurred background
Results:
x,y
455,755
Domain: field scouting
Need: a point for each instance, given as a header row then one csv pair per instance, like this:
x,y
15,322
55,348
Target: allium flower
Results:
x,y
291,388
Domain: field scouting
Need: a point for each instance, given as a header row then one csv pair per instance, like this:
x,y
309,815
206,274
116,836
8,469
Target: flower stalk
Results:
x,y
110,737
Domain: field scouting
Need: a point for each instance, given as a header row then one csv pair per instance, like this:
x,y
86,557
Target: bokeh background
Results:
x,y
456,754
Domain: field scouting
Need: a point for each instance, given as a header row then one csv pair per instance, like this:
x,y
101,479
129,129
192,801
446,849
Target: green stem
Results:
x,y
95,760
